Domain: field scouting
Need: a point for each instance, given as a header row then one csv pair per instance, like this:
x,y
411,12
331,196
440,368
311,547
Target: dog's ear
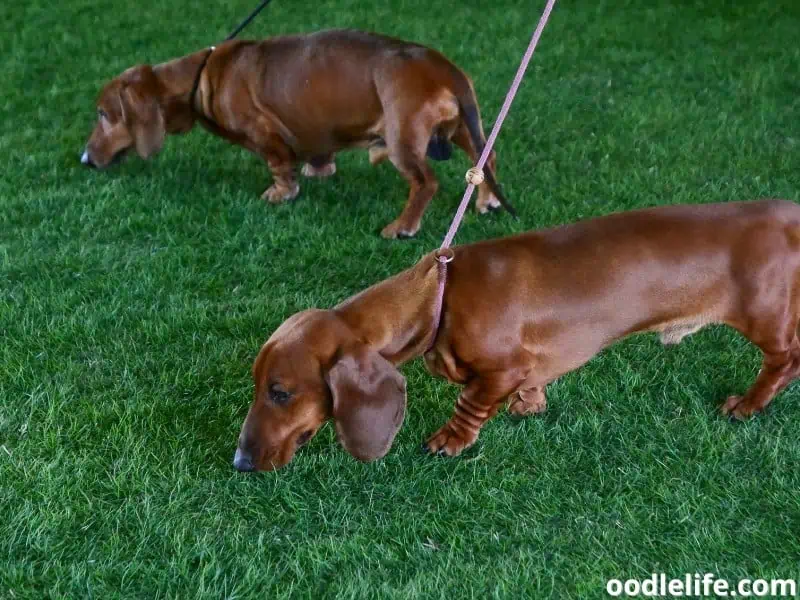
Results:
x,y
142,113
369,402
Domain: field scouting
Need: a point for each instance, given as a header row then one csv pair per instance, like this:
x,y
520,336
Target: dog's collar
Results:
x,y
197,77
443,256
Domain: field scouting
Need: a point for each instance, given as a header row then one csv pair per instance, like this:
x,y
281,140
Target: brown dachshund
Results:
x,y
304,98
520,312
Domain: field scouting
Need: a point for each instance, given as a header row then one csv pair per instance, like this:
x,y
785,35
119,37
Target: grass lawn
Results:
x,y
133,301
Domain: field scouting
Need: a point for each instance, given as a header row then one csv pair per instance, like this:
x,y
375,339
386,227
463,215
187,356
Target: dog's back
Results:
x,y
670,269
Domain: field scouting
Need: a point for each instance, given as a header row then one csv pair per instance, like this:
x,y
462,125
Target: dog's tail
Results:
x,y
471,117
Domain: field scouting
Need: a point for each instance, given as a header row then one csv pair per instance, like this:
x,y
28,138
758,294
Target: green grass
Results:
x,y
132,303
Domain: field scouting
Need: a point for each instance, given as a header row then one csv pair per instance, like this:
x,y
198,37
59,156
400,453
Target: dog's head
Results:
x,y
312,369
129,115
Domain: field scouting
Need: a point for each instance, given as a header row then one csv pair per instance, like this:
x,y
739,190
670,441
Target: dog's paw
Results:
x,y
446,442
276,194
378,154
527,402
325,170
395,230
487,205
735,408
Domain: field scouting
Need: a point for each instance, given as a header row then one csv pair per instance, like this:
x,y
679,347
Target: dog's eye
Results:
x,y
278,394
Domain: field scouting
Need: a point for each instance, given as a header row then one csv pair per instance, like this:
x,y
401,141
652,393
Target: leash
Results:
x,y
232,35
474,175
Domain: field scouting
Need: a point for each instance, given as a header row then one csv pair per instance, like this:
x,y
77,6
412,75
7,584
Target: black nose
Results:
x,y
242,461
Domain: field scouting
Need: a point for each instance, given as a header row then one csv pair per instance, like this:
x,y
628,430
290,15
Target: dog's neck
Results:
x,y
402,308
177,77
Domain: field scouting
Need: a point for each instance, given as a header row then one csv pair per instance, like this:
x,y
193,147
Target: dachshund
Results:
x,y
521,311
303,98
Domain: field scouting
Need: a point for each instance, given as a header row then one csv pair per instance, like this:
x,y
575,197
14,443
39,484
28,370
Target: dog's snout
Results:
x,y
242,461
86,159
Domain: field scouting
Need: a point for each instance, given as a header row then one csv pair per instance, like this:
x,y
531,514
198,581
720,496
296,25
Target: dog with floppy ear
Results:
x,y
297,389
128,115
369,402
519,312
143,115
301,99
337,364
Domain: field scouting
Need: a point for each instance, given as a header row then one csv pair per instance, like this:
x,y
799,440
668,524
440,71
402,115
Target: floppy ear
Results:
x,y
369,402
143,116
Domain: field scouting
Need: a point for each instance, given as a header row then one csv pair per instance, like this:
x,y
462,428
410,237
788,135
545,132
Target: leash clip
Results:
x,y
444,255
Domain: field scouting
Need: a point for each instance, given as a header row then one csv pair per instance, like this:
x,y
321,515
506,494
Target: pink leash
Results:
x,y
475,175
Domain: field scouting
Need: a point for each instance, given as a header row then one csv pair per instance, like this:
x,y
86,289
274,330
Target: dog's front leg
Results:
x,y
478,402
280,159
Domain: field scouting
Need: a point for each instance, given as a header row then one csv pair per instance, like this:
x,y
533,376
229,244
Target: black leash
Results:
x,y
246,22
232,35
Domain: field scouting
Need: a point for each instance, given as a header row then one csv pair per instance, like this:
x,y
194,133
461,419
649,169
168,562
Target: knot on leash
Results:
x,y
474,176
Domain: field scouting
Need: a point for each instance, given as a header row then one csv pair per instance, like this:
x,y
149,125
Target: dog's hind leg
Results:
x,y
407,142
776,335
778,369
486,199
